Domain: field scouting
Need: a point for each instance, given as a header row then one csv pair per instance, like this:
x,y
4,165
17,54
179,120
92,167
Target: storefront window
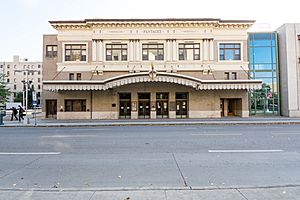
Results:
x,y
75,105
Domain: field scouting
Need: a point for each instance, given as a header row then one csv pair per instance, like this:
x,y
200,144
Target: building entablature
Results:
x,y
152,23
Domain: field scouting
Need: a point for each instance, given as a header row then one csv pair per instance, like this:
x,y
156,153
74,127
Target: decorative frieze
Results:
x,y
151,23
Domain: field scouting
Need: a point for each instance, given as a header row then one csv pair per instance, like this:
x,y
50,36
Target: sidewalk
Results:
x,y
153,122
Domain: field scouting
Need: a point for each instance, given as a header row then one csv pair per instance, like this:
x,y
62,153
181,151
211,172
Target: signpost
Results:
x,y
2,113
34,104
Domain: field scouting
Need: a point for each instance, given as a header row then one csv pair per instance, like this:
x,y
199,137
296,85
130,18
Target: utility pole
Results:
x,y
26,82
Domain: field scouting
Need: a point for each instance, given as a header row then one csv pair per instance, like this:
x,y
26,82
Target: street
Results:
x,y
175,159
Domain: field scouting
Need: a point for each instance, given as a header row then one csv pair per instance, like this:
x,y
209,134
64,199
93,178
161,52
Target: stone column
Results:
x,y
103,50
137,50
202,51
100,52
225,107
174,50
153,103
205,50
134,99
167,50
131,50
172,100
211,50
94,51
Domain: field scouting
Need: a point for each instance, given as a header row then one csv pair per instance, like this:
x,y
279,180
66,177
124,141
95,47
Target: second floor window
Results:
x,y
189,51
72,76
153,52
233,76
51,51
230,51
116,52
78,76
230,76
227,76
75,52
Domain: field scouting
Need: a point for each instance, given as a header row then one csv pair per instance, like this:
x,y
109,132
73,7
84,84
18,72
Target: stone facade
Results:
x,y
289,55
154,68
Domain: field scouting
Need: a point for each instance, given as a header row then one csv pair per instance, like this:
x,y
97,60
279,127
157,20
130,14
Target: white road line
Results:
x,y
246,151
30,153
67,136
287,133
91,129
216,134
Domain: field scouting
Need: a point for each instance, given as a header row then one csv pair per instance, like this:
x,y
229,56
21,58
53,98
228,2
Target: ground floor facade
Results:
x,y
149,100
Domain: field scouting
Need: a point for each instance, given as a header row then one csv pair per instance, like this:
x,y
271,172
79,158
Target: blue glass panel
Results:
x,y
229,55
262,39
274,39
251,55
263,74
262,55
250,39
274,56
263,66
267,81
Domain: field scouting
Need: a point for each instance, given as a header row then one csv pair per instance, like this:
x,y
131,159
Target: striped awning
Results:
x,y
144,77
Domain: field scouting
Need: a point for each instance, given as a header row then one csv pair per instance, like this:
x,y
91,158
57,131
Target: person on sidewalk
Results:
x,y
14,114
21,113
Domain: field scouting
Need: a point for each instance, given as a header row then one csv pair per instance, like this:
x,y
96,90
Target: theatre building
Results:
x,y
146,68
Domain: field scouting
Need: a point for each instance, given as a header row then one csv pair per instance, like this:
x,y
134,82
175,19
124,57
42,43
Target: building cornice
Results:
x,y
151,23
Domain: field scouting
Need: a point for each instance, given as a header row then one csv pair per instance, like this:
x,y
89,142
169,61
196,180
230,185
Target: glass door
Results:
x,y
162,105
181,105
125,106
51,109
144,105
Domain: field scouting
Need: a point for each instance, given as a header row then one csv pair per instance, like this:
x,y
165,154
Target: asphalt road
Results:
x,y
152,157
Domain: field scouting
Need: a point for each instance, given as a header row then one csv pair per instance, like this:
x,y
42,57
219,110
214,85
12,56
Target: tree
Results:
x,y
4,91
19,97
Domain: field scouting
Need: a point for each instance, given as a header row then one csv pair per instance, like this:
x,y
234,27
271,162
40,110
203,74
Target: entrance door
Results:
x,y
182,105
144,105
125,106
162,105
51,109
231,107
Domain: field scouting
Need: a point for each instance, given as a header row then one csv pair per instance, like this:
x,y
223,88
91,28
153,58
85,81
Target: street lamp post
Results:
x,y
26,82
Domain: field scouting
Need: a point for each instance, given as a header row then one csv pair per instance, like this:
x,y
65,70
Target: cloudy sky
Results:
x,y
23,22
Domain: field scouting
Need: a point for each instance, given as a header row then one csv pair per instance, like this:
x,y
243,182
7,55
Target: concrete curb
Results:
x,y
109,189
223,123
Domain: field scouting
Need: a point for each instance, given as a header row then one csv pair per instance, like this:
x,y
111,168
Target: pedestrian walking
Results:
x,y
21,113
14,114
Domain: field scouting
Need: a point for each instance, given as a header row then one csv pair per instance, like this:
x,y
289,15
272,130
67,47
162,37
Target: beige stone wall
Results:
x,y
49,64
201,104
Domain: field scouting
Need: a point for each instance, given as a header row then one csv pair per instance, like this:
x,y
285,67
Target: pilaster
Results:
x,y
174,51
94,50
211,49
100,51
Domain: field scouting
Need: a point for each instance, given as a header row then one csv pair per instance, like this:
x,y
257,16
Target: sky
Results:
x,y
23,22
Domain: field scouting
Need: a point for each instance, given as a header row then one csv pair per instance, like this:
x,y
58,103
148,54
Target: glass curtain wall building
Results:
x,y
263,63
